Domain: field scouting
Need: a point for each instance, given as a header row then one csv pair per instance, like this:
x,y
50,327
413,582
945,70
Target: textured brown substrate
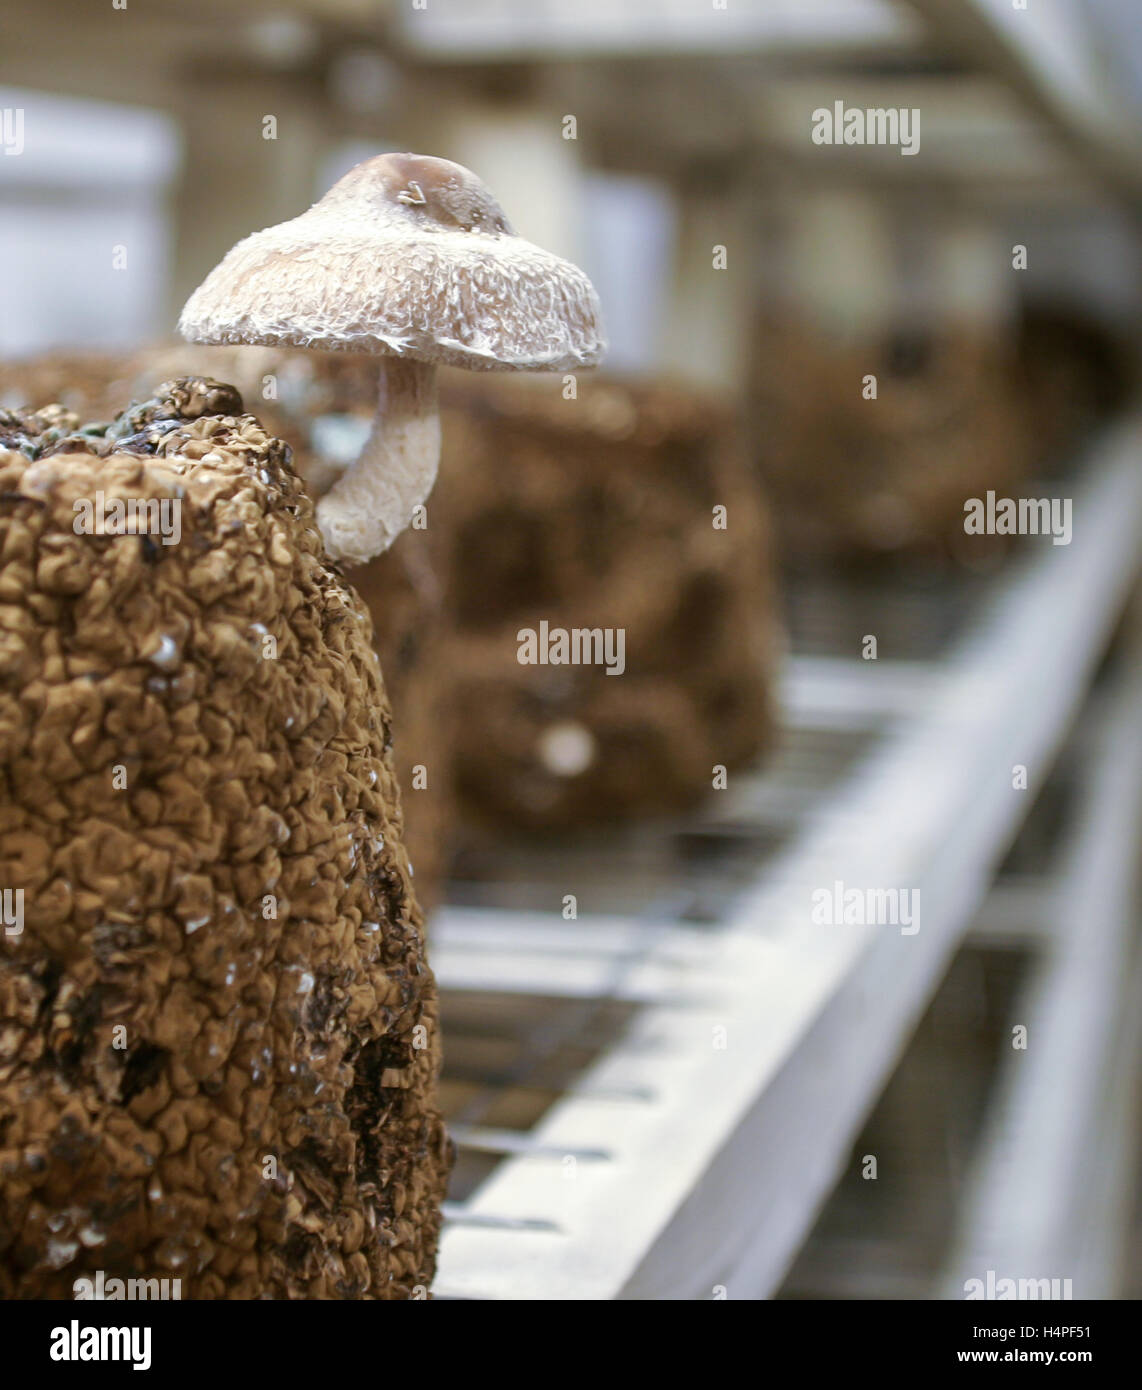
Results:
x,y
599,512
219,1043
857,479
402,588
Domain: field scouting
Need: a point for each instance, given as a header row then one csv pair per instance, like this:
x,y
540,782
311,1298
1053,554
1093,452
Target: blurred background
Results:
x,y
664,1076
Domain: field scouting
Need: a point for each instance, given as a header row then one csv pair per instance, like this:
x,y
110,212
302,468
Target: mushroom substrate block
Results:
x,y
861,478
603,512
402,588
220,1046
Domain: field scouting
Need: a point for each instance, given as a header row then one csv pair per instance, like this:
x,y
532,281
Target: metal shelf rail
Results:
x,y
1050,1197
696,1150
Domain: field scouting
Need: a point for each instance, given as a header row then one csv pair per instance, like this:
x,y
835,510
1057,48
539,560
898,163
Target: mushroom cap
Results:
x,y
408,256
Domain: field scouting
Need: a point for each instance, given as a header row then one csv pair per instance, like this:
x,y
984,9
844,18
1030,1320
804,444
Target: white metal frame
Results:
x,y
1051,1194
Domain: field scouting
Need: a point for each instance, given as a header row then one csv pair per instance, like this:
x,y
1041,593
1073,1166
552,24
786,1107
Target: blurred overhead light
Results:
x,y
487,29
363,81
282,40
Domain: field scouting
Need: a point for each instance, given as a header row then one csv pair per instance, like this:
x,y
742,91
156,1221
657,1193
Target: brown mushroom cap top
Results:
x,y
408,256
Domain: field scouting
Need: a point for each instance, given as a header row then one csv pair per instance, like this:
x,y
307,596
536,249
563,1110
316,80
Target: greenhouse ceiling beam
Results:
x,y
1045,55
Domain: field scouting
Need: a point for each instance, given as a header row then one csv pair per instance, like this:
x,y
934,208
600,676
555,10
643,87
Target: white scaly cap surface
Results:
x,y
408,256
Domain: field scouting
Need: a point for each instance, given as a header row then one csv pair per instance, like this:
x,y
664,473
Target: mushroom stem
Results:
x,y
372,503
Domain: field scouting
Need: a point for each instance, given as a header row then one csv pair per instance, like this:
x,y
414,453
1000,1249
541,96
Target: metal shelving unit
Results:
x,y
694,1147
